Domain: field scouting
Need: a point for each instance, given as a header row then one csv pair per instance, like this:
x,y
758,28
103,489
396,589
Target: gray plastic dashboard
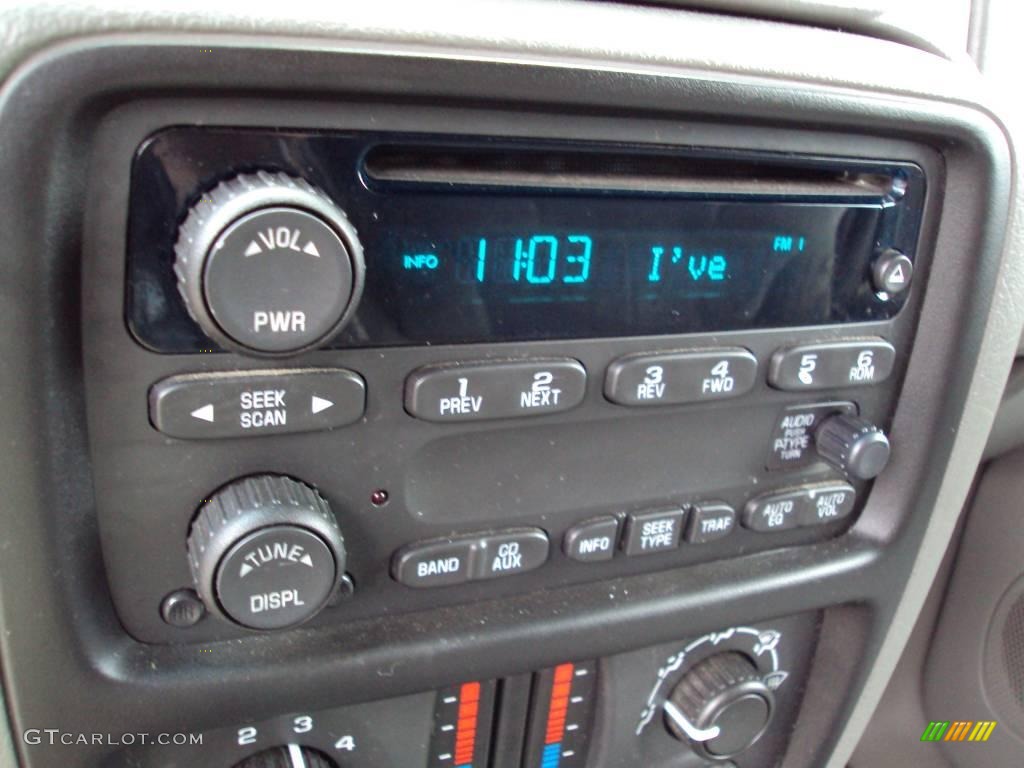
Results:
x,y
53,593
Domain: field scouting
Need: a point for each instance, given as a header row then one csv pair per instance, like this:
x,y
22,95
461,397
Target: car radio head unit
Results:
x,y
488,241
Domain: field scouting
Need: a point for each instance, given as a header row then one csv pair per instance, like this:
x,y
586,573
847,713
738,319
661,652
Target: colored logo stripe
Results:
x,y
465,731
982,730
558,708
958,730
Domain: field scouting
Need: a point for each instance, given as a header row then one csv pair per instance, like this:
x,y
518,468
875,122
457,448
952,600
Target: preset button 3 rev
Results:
x,y
681,377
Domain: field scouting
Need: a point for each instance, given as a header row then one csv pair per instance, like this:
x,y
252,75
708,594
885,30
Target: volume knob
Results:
x,y
266,552
267,264
852,445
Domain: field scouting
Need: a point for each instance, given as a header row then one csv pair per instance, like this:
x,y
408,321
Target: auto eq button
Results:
x,y
670,378
775,512
499,390
207,405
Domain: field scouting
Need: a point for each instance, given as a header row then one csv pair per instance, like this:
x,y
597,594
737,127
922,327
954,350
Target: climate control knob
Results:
x,y
720,707
266,552
290,756
855,447
267,264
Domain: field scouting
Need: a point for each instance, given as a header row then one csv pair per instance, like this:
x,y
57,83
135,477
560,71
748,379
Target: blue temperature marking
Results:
x,y
552,756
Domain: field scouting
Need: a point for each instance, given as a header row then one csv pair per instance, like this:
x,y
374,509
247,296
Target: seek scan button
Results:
x,y
657,530
255,403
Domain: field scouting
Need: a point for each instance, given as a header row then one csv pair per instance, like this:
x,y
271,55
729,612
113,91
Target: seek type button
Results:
x,y
206,405
472,391
511,552
680,377
657,530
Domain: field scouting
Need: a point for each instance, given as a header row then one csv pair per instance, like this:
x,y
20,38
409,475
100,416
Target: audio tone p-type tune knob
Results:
x,y
267,264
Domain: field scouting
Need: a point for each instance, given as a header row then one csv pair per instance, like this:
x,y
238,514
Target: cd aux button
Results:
x,y
832,365
510,552
485,390
680,377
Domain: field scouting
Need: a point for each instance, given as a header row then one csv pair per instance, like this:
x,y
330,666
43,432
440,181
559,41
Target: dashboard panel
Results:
x,y
413,408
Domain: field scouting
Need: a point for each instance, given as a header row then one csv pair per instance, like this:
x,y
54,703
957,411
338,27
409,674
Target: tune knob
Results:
x,y
267,264
290,756
853,446
266,552
720,707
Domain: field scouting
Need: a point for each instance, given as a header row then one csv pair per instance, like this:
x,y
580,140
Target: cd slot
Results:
x,y
558,169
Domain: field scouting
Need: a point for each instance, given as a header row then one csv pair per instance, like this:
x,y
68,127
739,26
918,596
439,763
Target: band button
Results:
x,y
434,564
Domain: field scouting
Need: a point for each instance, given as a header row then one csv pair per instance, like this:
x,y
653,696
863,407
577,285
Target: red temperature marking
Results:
x,y
559,704
465,732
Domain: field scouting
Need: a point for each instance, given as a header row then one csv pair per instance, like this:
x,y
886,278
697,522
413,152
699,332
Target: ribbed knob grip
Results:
x,y
264,538
725,698
268,264
852,445
711,678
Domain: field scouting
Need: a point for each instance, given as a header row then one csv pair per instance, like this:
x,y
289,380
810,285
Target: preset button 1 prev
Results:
x,y
486,390
254,403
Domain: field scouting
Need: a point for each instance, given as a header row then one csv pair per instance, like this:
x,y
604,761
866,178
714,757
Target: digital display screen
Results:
x,y
499,257
520,269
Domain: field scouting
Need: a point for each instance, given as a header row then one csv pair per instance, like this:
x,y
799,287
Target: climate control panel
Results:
x,y
728,697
